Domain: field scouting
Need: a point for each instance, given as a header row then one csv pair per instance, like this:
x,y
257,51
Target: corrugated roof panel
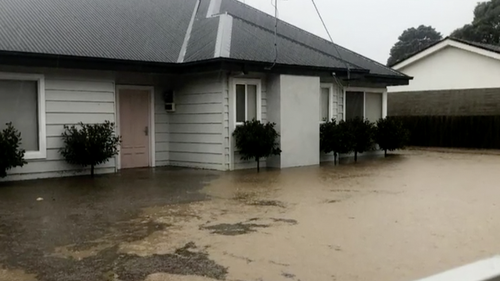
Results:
x,y
201,45
250,42
96,28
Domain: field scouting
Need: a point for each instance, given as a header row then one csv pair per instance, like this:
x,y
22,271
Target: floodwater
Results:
x,y
402,218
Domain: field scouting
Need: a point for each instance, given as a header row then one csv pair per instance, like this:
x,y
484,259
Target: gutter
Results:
x,y
92,63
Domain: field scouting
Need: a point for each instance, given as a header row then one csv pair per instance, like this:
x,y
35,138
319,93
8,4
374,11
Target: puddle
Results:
x,y
234,229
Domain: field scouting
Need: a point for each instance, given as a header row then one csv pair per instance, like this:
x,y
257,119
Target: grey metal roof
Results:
x,y
156,30
286,30
146,30
251,42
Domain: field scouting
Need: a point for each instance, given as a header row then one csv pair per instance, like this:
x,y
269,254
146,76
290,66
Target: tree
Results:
x,y
412,41
362,134
336,138
485,27
11,155
390,134
255,140
89,145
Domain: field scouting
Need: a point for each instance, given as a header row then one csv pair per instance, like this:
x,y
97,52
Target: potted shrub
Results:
x,y
11,154
255,140
390,134
89,144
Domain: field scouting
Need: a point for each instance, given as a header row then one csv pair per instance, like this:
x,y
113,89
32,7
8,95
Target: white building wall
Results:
x,y
192,136
299,103
451,68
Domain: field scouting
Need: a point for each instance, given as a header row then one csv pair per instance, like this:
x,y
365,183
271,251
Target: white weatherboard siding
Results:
x,y
192,136
69,99
451,68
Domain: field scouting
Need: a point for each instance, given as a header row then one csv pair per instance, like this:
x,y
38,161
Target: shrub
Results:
x,y
89,145
362,134
390,134
11,155
336,138
255,140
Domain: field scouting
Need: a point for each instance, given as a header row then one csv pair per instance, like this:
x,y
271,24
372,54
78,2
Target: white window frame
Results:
x,y
246,82
330,101
382,91
42,133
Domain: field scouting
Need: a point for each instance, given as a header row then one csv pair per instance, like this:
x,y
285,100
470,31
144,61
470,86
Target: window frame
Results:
x,y
41,153
382,91
246,82
330,100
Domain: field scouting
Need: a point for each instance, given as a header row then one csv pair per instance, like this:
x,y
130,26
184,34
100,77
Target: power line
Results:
x,y
331,39
275,33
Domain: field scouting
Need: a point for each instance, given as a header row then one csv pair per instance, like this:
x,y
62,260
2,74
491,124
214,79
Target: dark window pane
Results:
x,y
240,103
354,105
251,102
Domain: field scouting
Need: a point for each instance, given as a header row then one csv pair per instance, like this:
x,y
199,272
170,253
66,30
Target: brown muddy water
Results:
x,y
396,219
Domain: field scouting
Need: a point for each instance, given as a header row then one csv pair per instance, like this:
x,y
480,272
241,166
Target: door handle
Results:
x,y
146,131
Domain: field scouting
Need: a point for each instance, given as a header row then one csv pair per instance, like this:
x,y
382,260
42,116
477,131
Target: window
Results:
x,y
366,104
373,107
354,105
22,103
325,103
247,100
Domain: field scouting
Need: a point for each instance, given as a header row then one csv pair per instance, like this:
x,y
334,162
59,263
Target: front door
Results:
x,y
134,127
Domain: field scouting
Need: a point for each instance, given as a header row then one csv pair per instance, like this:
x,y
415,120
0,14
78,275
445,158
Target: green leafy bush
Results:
x,y
362,131
89,145
256,140
336,138
11,155
390,134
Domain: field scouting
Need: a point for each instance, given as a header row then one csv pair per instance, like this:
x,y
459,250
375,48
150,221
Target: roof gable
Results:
x,y
477,48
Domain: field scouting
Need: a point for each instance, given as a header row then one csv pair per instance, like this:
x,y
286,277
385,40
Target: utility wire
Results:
x,y
331,39
275,34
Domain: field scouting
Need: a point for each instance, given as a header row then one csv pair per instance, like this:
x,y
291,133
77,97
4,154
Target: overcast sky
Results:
x,y
371,27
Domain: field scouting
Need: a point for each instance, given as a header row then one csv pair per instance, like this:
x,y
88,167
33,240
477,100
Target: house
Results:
x,y
451,77
176,76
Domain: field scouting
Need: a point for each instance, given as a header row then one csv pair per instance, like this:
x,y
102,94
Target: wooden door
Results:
x,y
134,128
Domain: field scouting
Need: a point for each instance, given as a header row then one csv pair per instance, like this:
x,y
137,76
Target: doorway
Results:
x,y
135,126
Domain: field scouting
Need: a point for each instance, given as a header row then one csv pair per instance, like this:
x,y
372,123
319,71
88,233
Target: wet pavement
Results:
x,y
401,218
